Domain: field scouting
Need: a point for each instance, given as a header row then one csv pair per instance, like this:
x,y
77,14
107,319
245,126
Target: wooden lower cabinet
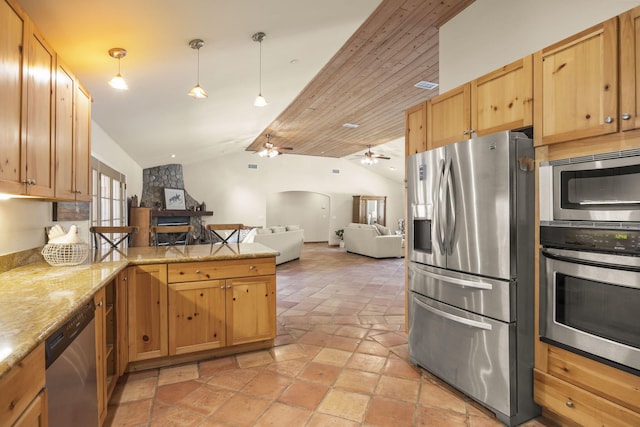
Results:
x,y
147,312
22,394
576,391
183,308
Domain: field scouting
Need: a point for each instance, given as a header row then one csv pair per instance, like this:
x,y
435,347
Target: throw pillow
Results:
x,y
264,230
384,231
293,227
250,235
279,229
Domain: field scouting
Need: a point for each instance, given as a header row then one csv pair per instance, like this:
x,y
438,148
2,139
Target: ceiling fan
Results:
x,y
371,158
270,150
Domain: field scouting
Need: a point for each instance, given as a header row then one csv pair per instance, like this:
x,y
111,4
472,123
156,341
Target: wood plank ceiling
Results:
x,y
369,82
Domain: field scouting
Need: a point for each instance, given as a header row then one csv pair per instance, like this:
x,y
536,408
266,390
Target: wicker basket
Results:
x,y
58,254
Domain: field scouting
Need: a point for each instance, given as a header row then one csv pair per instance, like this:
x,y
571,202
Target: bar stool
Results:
x,y
112,235
214,228
173,234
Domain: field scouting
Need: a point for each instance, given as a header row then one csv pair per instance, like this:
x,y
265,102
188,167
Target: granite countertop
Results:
x,y
35,299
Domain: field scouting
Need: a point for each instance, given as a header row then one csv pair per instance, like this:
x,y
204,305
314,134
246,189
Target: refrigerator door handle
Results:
x,y
454,318
437,217
457,281
450,197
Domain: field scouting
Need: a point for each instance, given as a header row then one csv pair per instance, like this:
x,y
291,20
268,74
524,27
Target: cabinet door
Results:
x,y
12,88
40,136
449,117
576,86
65,90
503,99
196,316
101,351
82,146
147,312
415,137
36,413
251,309
630,69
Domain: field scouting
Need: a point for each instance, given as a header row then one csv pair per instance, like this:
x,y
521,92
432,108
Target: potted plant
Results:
x,y
340,233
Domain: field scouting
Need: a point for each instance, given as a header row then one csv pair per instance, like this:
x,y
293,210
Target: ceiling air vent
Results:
x,y
426,85
350,125
336,171
252,166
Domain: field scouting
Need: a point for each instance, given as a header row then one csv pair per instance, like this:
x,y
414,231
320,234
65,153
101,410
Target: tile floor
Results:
x,y
340,359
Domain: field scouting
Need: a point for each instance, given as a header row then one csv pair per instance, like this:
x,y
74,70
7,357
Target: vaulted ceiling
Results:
x,y
324,64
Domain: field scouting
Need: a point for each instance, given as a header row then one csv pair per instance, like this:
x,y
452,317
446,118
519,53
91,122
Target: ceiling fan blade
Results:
x,y
380,156
283,148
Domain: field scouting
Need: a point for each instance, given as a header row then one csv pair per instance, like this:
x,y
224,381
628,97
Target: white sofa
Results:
x,y
372,240
287,240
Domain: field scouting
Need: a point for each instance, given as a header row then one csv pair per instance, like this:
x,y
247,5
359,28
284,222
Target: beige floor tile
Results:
x,y
290,368
215,366
359,381
320,373
205,399
391,339
398,388
399,368
389,413
241,410
367,362
305,394
129,414
256,358
352,332
343,343
283,415
428,417
233,380
135,390
177,417
345,404
373,347
330,356
287,352
324,420
177,374
267,385
435,396
171,393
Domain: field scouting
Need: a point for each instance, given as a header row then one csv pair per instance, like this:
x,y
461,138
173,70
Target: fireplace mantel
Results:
x,y
170,213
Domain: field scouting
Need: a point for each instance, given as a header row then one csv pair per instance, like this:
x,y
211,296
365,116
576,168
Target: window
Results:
x,y
108,195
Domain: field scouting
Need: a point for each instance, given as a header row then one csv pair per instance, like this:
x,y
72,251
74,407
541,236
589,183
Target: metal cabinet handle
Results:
x,y
252,267
465,132
570,404
222,287
197,271
608,119
228,286
99,304
472,131
626,116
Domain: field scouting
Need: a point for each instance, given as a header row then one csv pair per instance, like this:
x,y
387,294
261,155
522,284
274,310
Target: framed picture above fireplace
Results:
x,y
174,199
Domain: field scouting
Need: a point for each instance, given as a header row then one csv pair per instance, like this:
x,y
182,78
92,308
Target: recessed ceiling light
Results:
x,y
426,85
173,156
350,125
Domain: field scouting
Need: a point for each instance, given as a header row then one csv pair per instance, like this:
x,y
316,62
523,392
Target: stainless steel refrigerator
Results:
x,y
471,269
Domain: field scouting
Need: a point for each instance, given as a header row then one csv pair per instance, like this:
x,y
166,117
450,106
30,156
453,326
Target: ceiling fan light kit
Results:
x,y
197,91
369,158
260,100
270,150
117,82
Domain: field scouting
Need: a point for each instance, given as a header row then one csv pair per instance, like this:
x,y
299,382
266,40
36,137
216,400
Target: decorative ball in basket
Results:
x,y
65,248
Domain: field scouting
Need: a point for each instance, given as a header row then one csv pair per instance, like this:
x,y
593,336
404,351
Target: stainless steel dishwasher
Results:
x,y
71,371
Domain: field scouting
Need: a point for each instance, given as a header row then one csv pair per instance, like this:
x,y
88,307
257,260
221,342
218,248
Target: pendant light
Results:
x,y
117,82
260,100
197,91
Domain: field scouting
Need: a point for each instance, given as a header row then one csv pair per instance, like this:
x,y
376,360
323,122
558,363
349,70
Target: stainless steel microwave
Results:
x,y
603,187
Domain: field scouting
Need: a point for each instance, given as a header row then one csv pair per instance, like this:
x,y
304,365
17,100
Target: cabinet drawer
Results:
x,y
208,270
21,385
578,405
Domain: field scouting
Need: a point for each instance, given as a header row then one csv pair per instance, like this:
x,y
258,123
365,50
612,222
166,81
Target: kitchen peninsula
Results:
x,y
162,306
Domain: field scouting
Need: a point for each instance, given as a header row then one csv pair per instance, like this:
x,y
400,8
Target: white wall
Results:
x,y
307,209
236,193
492,33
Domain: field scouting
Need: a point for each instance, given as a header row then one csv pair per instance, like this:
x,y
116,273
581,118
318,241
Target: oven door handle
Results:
x,y
457,281
594,258
454,318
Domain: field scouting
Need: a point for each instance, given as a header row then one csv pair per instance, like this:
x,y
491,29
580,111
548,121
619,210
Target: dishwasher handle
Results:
x,y
61,338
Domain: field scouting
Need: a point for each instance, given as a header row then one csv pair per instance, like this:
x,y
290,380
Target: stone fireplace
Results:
x,y
154,181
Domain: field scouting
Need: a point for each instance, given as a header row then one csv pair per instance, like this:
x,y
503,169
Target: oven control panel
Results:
x,y
592,239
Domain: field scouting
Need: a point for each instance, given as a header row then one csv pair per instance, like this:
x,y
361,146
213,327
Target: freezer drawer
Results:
x,y
475,354
487,297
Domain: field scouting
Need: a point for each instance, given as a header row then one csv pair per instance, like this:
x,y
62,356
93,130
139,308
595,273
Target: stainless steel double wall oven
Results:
x,y
590,261
471,269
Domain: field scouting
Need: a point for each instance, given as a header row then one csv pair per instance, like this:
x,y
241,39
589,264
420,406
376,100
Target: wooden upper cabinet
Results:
x,y
64,103
415,137
448,117
576,88
503,99
630,69
40,157
82,147
13,89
